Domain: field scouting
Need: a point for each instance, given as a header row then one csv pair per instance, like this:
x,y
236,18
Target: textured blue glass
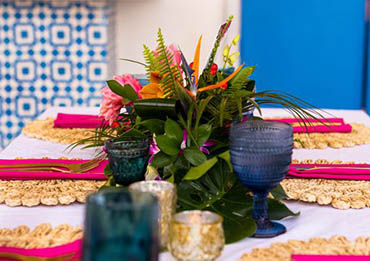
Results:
x,y
128,159
121,225
261,153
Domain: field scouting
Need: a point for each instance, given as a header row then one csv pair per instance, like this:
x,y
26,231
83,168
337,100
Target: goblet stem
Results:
x,y
260,207
265,227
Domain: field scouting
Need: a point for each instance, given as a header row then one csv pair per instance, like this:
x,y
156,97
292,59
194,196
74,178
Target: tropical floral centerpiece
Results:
x,y
187,113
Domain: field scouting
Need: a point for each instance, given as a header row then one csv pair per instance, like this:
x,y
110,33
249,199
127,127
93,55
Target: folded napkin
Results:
x,y
64,120
329,258
330,171
96,173
334,125
70,251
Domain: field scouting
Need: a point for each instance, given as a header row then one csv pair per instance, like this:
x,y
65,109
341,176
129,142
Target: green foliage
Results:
x,y
173,130
151,63
168,145
199,171
155,126
170,74
125,91
161,160
194,156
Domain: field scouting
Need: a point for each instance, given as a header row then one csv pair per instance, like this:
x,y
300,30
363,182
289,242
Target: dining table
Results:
x,y
313,220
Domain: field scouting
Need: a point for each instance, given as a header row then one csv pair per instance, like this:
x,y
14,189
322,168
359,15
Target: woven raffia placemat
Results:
x,y
43,235
336,245
360,135
43,129
30,193
340,194
46,192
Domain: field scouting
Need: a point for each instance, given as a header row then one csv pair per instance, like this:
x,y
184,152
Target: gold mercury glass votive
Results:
x,y
167,197
196,235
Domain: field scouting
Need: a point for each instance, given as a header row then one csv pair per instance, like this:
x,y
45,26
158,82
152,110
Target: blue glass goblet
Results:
x,y
261,153
128,159
121,225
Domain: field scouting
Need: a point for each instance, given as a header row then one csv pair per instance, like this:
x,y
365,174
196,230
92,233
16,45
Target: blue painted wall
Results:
x,y
312,49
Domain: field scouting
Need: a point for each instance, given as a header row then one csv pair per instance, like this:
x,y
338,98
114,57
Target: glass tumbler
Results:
x,y
121,225
128,158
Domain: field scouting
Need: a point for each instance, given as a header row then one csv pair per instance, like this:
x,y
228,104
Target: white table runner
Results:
x,y
314,220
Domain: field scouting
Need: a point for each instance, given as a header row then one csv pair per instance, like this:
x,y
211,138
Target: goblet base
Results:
x,y
273,229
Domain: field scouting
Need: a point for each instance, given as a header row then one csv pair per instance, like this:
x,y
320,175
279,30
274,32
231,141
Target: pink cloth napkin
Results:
x,y
70,251
64,120
346,171
329,258
343,127
96,173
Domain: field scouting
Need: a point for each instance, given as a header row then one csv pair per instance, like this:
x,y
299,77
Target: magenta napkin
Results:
x,y
84,121
96,173
329,258
70,251
330,171
342,127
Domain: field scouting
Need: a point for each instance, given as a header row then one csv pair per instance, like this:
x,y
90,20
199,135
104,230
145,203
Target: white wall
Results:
x,y
181,21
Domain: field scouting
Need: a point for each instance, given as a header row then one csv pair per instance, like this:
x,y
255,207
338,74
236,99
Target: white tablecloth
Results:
x,y
314,220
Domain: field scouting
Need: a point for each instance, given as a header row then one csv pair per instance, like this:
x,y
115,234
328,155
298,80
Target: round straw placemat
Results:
x,y
44,130
340,194
42,236
336,245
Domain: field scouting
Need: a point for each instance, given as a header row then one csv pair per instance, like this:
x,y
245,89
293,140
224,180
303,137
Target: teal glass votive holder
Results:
x,y
128,159
121,225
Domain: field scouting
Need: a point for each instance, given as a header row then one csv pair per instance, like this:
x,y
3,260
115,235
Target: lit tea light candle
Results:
x,y
196,235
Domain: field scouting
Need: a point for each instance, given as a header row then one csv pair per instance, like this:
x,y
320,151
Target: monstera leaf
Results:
x,y
219,191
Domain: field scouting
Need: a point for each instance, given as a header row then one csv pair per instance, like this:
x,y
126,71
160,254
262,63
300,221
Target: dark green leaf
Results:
x,y
202,133
167,145
124,91
278,210
161,160
278,192
157,108
153,125
199,171
194,156
173,131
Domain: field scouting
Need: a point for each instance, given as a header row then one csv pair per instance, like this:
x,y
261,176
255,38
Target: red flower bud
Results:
x,y
191,65
115,124
213,69
224,86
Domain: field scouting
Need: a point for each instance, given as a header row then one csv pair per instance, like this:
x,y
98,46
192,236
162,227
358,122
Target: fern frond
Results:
x,y
150,59
170,74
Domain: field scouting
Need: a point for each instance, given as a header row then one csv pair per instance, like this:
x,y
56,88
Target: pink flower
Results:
x,y
176,55
112,103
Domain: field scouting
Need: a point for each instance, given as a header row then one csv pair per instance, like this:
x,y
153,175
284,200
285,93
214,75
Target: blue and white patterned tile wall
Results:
x,y
52,53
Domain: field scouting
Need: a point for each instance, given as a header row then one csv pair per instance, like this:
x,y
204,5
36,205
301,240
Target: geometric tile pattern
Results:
x,y
52,53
